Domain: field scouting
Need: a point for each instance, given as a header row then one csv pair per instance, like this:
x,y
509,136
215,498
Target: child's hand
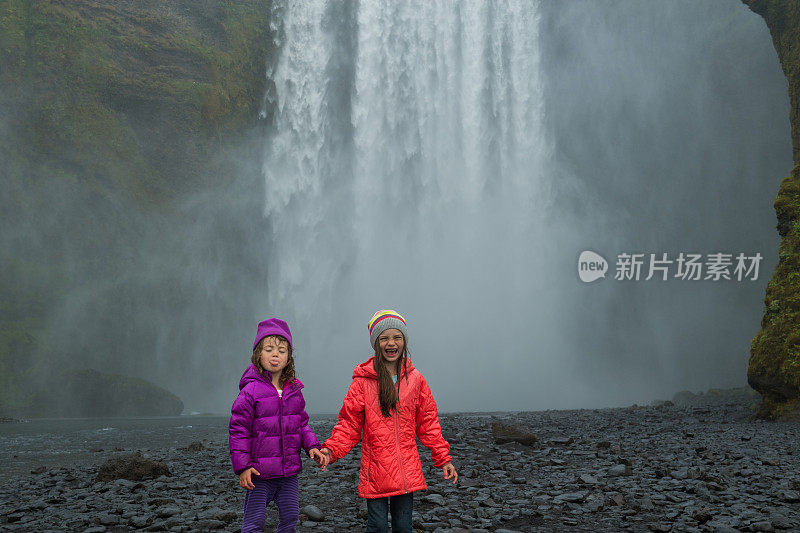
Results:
x,y
244,478
449,471
321,459
327,453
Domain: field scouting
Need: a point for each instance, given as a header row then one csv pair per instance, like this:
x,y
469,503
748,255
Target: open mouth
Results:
x,y
391,352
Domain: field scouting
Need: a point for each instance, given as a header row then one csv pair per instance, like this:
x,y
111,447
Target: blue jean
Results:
x,y
284,490
401,507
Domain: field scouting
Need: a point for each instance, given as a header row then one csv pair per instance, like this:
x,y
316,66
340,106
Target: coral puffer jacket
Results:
x,y
266,430
390,463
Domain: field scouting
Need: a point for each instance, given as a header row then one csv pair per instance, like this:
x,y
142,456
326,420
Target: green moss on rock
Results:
x,y
774,366
122,108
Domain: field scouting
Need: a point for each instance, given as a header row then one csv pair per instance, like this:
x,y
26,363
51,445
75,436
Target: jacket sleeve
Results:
x,y
429,431
308,440
239,431
347,431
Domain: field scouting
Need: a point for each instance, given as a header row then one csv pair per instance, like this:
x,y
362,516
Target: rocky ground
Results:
x,y
696,464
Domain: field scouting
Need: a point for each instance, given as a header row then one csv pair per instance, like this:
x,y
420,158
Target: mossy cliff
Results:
x,y
774,367
112,114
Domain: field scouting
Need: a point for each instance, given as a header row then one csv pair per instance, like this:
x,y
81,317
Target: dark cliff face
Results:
x,y
774,367
782,17
116,120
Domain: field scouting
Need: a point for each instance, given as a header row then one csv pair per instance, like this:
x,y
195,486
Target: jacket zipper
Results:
x,y
397,439
280,427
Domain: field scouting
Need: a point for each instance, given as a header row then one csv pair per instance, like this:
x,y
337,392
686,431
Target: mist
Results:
x,y
449,161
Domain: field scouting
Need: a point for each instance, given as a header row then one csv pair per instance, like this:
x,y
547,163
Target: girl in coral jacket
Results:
x,y
268,427
391,402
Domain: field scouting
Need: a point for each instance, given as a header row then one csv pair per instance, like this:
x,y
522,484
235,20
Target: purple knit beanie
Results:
x,y
273,326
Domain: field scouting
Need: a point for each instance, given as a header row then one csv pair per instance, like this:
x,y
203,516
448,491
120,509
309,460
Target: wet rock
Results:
x,y
124,484
681,473
702,515
313,512
132,466
569,497
593,503
559,488
781,522
763,525
645,504
167,511
437,499
108,519
226,516
619,470
617,499
196,446
505,433
209,525
722,528
140,521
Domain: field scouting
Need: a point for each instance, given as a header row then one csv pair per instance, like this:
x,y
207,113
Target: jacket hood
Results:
x,y
252,374
366,370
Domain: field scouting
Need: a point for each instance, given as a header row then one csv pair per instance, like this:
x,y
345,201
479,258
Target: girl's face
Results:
x,y
274,355
391,343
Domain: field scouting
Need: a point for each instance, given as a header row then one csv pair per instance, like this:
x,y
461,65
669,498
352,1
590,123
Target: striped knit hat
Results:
x,y
383,320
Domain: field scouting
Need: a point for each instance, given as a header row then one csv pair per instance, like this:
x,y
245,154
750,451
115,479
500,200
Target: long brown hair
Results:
x,y
287,376
388,395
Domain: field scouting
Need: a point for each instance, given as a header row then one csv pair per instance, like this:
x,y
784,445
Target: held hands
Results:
x,y
244,478
326,454
449,471
321,458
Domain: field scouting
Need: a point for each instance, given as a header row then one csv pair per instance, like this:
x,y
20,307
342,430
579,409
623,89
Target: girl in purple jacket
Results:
x,y
268,427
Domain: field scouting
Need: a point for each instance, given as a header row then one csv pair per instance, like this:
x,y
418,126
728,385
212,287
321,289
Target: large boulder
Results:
x,y
132,466
505,433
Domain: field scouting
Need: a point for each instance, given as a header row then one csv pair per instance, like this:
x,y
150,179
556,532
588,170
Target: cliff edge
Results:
x,y
774,366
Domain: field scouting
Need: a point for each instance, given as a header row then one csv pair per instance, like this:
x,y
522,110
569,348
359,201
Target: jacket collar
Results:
x,y
366,369
252,374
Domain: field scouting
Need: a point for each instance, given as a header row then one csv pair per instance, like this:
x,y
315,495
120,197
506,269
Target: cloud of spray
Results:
x,y
450,161
480,148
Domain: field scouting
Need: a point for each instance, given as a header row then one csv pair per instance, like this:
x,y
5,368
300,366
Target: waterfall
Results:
x,y
414,163
425,190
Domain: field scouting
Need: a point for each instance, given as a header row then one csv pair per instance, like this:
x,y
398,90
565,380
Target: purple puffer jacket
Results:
x,y
267,431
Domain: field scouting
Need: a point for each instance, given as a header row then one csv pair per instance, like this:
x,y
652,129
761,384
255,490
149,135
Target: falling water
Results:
x,y
408,170
411,165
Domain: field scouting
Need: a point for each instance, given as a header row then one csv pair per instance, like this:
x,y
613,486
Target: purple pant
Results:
x,y
285,493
